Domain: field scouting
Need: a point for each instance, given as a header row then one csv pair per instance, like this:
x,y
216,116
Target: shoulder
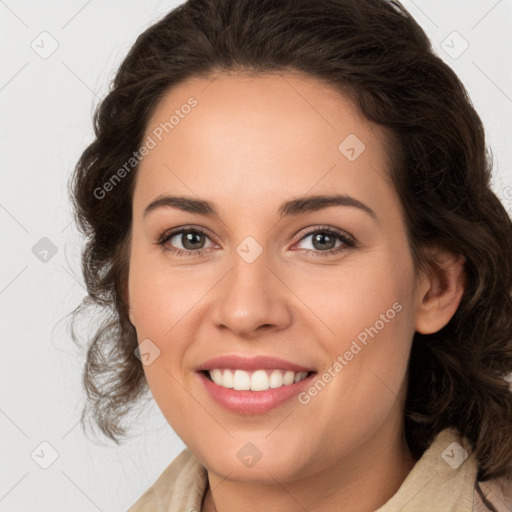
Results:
x,y
181,486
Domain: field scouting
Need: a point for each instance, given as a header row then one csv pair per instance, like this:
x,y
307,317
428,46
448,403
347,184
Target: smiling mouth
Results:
x,y
257,380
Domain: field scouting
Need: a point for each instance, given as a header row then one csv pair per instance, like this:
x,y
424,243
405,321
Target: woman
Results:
x,y
289,218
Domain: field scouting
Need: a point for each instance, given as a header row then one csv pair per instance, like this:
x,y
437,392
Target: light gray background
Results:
x,y
46,107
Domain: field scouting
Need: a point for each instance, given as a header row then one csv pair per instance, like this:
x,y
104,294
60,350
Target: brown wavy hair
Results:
x,y
375,52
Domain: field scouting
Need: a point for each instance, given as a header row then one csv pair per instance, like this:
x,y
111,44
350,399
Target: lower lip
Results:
x,y
252,402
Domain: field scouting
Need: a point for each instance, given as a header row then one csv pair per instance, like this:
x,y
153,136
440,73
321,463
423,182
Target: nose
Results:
x,y
251,300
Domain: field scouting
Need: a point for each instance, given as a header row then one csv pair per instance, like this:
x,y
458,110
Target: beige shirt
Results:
x,y
443,480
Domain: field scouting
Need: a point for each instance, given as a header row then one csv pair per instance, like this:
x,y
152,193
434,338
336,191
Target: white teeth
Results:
x,y
276,379
259,380
288,378
227,379
216,376
241,381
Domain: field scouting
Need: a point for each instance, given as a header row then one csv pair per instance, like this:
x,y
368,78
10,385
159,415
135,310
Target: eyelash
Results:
x,y
346,240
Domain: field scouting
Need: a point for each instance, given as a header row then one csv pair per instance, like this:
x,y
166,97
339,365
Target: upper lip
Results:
x,y
237,362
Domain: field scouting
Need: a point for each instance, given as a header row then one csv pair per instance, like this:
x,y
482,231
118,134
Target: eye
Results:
x,y
191,240
324,241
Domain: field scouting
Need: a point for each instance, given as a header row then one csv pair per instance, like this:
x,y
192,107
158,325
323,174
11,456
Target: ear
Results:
x,y
440,292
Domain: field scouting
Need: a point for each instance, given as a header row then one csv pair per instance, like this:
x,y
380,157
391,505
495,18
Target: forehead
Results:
x,y
283,132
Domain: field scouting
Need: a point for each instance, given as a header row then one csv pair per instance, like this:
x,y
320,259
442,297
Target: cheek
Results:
x,y
344,302
368,356
376,317
364,322
166,302
162,302
161,296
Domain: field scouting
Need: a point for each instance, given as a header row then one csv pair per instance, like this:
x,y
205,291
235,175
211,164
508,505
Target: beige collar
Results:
x,y
443,479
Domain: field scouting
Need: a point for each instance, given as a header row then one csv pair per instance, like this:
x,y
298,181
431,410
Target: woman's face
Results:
x,y
303,309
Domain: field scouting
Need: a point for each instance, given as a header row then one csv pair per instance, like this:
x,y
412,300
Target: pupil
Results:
x,y
319,237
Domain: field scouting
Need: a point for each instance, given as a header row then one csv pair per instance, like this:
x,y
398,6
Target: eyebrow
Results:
x,y
292,207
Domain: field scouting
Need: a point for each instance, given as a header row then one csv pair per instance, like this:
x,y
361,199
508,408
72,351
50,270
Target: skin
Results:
x,y
250,144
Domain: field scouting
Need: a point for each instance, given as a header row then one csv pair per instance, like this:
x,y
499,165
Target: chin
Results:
x,y
259,462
